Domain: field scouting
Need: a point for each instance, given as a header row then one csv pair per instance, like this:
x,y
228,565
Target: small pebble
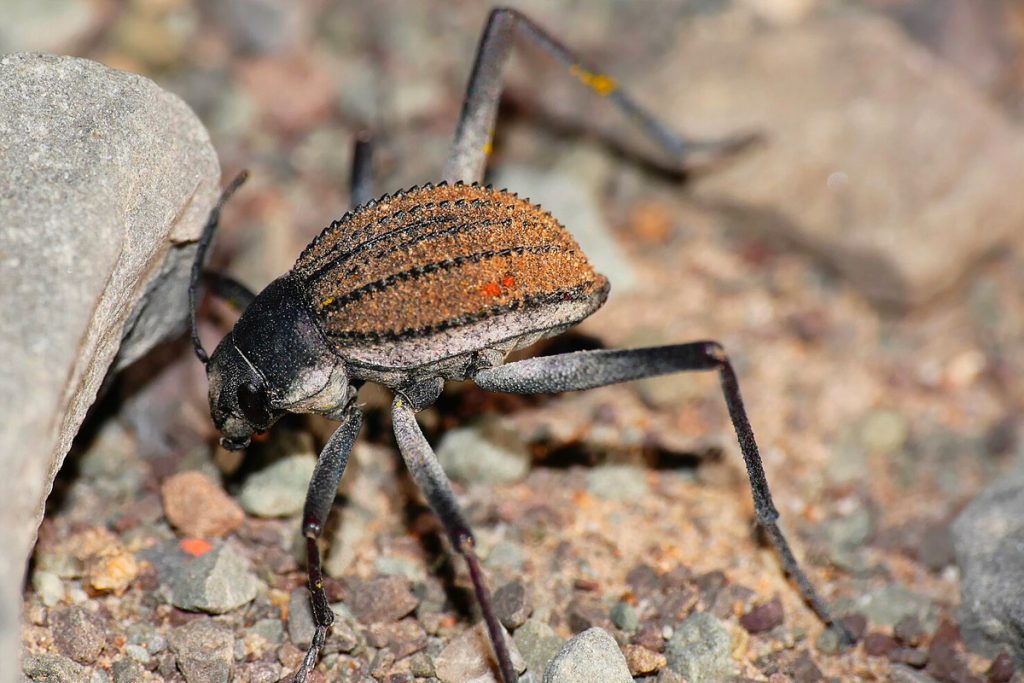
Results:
x,y
146,636
138,653
300,618
1001,670
387,598
913,656
641,661
624,616
403,637
54,669
421,665
945,661
936,550
263,672
216,582
856,624
270,630
585,612
506,555
512,605
909,630
700,649
204,651
538,644
651,636
884,431
469,657
879,644
643,579
589,656
732,599
290,656
486,453
828,642
901,673
48,586
60,561
763,617
887,605
669,676
846,536
279,489
618,482
400,566
78,633
127,671
197,506
112,571
381,663
709,585
802,669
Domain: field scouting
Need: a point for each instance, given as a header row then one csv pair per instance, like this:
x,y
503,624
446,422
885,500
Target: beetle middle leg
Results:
x,y
589,369
474,132
426,471
323,487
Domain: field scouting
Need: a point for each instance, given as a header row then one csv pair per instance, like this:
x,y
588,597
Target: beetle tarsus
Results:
x,y
312,654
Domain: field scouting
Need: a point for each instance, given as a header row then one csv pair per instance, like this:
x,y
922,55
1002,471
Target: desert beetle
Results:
x,y
434,283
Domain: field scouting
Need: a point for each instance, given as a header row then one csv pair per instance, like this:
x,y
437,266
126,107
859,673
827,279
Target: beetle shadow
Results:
x,y
420,520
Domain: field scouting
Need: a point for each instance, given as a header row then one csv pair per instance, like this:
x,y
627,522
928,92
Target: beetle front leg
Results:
x,y
322,489
589,369
205,240
429,476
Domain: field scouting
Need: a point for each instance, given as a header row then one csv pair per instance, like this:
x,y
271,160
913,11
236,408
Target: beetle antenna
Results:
x,y
197,266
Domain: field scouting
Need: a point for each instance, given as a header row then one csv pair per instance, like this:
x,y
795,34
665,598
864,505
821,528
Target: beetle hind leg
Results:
x,y
589,369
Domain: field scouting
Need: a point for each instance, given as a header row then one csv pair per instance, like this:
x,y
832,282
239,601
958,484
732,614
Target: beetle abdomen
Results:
x,y
438,258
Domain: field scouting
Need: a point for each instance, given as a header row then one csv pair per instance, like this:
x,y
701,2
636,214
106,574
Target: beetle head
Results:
x,y
239,401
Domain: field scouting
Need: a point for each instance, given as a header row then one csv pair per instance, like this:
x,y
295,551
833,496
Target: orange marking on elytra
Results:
x,y
509,281
490,289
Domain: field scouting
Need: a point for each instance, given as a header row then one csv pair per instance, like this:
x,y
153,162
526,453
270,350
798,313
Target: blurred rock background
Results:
x,y
862,266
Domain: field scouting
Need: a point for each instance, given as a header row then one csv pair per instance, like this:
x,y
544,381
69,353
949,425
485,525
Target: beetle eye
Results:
x,y
253,403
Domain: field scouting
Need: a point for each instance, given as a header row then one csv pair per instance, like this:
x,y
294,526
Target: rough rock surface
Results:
x,y
989,538
877,156
589,656
105,179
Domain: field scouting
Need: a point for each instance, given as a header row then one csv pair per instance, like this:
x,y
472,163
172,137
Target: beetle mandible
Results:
x,y
441,282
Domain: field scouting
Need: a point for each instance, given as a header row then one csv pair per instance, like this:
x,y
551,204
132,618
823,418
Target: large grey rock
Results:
x,y
105,180
989,540
878,157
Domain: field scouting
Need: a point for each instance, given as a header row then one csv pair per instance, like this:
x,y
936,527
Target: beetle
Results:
x,y
441,282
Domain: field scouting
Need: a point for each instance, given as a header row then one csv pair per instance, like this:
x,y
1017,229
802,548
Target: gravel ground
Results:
x,y
624,508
